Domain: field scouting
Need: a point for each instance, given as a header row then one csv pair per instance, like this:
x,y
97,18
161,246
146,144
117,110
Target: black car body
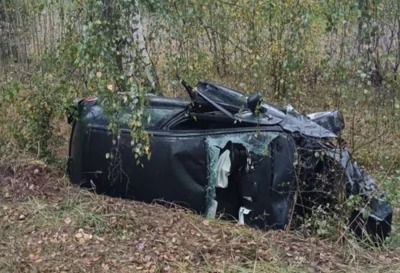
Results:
x,y
225,152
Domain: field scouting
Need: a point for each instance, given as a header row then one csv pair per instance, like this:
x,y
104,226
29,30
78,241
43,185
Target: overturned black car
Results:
x,y
223,152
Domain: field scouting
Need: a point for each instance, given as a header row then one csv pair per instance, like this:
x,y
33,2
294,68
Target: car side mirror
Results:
x,y
253,101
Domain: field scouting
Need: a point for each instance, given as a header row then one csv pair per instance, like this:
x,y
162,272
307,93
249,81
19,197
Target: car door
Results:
x,y
268,154
174,173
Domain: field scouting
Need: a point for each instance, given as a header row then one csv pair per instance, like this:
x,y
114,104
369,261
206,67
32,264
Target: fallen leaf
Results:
x,y
206,222
98,74
67,221
87,237
105,267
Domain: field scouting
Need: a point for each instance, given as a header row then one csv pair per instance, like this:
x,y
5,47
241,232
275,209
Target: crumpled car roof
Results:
x,y
235,101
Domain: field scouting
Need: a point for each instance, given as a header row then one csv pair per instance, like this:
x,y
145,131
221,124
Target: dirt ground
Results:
x,y
47,225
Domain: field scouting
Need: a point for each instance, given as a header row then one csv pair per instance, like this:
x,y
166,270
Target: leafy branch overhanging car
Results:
x,y
223,152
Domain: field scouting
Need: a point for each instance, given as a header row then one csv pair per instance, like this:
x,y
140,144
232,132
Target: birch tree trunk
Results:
x,y
141,53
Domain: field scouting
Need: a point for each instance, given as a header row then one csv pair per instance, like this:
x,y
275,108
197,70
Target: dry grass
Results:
x,y
48,226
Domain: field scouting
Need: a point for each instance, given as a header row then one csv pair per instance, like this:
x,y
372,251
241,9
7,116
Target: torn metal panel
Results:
x,y
376,207
358,180
262,181
256,143
330,120
291,121
303,125
224,96
250,117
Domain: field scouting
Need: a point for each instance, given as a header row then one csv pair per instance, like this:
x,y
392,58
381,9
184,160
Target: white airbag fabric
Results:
x,y
223,169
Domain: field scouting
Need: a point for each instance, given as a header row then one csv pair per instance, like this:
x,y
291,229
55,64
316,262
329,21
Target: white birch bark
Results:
x,y
141,53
